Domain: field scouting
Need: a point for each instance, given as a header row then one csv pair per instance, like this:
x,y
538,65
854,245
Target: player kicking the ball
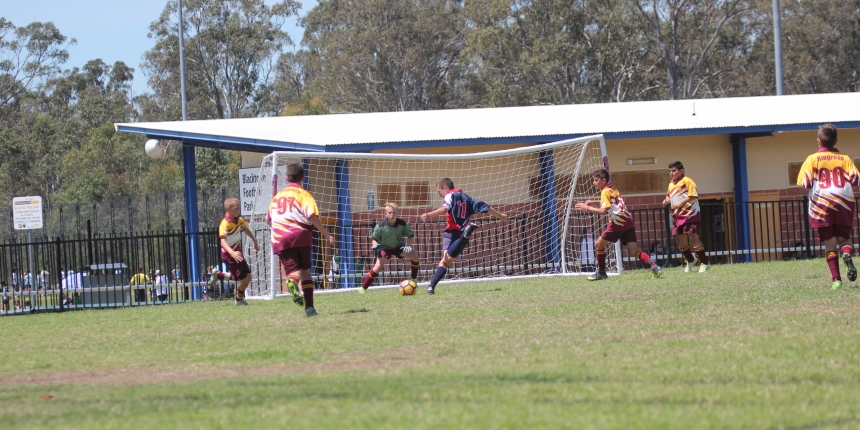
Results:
x,y
457,207
230,231
388,242
620,226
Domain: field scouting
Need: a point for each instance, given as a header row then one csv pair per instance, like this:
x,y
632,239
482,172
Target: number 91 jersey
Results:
x,y
829,175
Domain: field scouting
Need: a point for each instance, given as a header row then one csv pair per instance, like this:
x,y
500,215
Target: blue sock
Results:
x,y
437,276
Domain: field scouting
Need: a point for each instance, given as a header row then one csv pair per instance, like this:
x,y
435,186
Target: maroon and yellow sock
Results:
x,y
847,249
225,275
601,260
833,263
415,267
308,292
646,259
371,276
240,294
688,256
700,254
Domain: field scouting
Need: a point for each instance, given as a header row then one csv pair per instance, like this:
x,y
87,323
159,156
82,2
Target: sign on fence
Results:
x,y
27,212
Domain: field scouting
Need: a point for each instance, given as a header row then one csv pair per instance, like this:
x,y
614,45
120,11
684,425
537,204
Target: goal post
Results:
x,y
536,186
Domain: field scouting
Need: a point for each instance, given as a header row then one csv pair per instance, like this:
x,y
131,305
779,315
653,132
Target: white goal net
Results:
x,y
536,186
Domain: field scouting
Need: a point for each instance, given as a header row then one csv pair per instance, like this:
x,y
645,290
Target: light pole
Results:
x,y
777,47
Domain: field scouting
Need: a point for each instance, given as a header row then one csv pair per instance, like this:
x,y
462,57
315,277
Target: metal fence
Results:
x,y
95,270
150,212
98,271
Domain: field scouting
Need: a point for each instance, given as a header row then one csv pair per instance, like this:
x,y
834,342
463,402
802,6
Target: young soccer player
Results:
x,y
292,214
830,175
458,207
621,225
230,231
686,219
388,242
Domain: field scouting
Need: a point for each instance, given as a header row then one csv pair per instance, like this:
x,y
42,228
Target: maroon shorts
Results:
x,y
238,269
835,230
388,253
294,259
687,228
626,236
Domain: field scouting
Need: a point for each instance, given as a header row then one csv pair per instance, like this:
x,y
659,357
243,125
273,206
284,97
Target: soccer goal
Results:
x,y
536,186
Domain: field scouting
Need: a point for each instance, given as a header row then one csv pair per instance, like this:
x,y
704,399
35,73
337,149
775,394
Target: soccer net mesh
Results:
x,y
535,186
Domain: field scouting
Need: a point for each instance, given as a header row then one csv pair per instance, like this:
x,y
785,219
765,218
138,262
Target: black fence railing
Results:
x,y
101,271
97,270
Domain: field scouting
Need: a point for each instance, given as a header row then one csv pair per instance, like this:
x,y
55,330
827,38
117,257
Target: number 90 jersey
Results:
x,y
830,176
290,213
460,207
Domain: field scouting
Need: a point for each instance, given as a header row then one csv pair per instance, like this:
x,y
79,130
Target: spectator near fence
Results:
x,y
15,285
162,286
177,274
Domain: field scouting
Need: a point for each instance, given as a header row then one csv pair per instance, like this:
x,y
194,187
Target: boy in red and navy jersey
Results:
x,y
457,207
830,176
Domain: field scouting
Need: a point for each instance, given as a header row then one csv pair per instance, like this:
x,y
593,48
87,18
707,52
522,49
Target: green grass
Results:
x,y
764,345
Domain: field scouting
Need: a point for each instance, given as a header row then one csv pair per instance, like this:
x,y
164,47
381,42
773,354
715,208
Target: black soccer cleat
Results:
x,y
469,230
431,291
852,271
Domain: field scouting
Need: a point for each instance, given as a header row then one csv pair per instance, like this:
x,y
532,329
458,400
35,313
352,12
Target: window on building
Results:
x,y
404,194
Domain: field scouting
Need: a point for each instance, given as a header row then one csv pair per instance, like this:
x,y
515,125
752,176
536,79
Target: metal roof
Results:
x,y
366,131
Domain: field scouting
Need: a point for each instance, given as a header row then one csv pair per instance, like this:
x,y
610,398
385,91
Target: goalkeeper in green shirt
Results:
x,y
388,242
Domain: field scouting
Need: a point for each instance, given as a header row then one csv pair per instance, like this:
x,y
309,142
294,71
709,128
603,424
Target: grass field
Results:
x,y
764,345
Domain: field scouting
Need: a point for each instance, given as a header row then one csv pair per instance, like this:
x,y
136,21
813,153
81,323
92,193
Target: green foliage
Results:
x,y
763,345
229,47
385,55
314,106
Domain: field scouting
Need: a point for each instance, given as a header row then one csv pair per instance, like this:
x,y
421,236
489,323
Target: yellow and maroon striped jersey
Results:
x,y
290,213
611,198
231,231
829,175
679,190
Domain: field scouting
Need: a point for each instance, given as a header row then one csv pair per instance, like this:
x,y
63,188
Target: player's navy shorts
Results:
x,y
239,269
835,230
388,253
687,228
626,236
294,259
449,236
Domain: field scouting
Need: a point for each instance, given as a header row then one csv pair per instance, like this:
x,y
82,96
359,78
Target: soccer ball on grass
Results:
x,y
407,287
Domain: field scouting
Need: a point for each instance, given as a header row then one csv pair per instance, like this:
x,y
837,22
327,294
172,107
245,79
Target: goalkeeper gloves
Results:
x,y
406,248
376,247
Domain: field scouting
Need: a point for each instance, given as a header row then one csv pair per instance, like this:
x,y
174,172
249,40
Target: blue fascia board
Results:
x,y
267,146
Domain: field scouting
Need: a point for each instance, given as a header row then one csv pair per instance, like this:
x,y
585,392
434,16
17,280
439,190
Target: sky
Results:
x,y
113,30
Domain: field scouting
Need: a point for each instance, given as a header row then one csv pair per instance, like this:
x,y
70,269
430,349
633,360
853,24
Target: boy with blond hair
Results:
x,y
230,231
388,242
